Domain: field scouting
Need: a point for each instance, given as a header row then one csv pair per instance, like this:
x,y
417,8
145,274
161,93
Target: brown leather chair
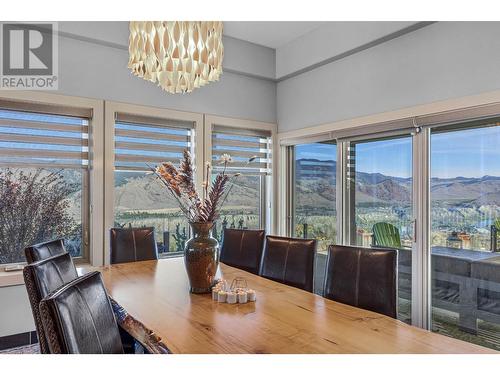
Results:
x,y
242,248
43,277
133,244
289,261
363,277
78,319
44,250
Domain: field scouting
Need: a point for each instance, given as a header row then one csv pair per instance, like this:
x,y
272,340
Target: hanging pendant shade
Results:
x,y
177,55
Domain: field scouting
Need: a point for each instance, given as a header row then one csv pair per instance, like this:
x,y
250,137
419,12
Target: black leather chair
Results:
x,y
43,277
133,244
289,261
78,318
363,277
242,248
44,250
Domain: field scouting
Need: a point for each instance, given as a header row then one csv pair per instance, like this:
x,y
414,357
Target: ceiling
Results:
x,y
272,34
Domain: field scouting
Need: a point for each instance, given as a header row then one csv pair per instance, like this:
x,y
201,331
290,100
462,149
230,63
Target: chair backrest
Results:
x,y
289,261
361,277
133,244
78,318
43,277
386,235
44,250
242,248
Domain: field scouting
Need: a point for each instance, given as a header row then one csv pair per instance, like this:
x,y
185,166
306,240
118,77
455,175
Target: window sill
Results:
x,y
11,278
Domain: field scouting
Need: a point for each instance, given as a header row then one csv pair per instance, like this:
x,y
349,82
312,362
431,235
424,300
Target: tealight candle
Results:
x,y
251,295
242,297
231,297
215,294
221,297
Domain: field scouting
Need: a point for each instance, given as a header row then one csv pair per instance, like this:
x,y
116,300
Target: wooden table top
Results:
x,y
282,320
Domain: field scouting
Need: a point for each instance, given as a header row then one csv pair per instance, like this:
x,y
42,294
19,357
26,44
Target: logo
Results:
x,y
29,56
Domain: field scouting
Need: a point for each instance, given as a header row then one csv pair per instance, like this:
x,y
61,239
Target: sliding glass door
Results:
x,y
379,203
440,180
314,213
465,227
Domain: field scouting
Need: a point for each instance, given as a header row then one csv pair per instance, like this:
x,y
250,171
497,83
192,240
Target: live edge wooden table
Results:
x,y
282,320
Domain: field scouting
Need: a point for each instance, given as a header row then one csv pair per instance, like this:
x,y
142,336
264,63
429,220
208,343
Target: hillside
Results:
x,y
378,188
143,192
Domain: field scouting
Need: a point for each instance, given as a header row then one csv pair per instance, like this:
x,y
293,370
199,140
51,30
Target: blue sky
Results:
x,y
467,153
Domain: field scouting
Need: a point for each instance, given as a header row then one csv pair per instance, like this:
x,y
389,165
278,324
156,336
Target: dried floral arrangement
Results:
x,y
180,183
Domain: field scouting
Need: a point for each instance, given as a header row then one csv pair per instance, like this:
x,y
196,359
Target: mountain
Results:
x,y
142,192
314,187
387,190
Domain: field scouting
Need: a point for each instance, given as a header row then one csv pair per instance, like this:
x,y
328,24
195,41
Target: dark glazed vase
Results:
x,y
201,257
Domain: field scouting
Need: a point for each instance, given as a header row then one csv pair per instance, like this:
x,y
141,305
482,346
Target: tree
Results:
x,y
34,207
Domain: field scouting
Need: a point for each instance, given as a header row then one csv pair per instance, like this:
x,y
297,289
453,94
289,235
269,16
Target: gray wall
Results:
x,y
441,61
97,71
15,311
331,39
100,71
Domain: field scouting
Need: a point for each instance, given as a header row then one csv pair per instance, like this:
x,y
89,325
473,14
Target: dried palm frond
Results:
x,y
180,183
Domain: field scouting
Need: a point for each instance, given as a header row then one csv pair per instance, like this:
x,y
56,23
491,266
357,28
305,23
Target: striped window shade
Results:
x,y
242,145
43,139
141,142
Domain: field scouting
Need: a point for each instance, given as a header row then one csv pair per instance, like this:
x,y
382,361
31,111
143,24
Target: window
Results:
x,y
139,198
465,230
379,185
44,175
247,204
313,202
428,187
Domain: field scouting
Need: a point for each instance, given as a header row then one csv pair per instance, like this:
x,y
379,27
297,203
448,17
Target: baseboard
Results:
x,y
19,339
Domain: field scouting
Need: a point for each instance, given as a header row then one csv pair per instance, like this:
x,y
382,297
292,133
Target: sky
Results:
x,y
466,153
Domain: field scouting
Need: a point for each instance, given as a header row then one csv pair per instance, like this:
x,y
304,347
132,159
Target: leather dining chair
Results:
x,y
133,244
78,318
43,277
44,250
242,248
289,261
363,277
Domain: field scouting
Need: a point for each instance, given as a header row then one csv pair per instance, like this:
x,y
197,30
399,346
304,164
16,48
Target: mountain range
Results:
x,y
380,188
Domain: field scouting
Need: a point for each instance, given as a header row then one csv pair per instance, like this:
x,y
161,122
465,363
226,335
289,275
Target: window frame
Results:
x,y
269,189
92,177
113,108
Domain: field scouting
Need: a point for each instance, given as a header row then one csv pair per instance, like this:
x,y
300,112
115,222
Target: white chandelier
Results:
x,y
178,55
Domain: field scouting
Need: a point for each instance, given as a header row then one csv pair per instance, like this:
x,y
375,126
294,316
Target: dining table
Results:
x,y
282,320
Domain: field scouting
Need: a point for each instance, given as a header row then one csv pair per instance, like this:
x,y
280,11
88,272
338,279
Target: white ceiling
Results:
x,y
272,34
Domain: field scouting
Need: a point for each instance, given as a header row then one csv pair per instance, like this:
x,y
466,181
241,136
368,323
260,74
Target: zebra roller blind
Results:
x,y
242,145
142,141
38,139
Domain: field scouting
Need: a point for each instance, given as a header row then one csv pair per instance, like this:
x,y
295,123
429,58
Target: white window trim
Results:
x,y
212,120
96,130
111,109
